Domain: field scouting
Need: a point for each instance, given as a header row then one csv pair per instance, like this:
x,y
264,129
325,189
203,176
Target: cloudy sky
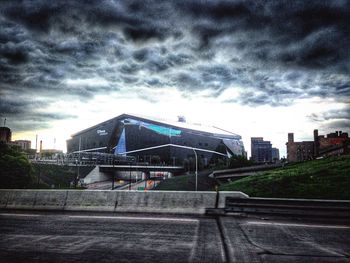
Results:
x,y
256,68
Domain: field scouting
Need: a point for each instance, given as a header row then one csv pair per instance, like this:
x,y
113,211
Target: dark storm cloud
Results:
x,y
144,33
308,34
23,114
333,119
273,52
8,107
187,81
340,114
343,125
33,120
22,106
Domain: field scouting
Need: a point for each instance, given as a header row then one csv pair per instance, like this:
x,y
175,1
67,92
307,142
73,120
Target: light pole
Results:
x,y
76,175
78,164
113,174
195,154
129,176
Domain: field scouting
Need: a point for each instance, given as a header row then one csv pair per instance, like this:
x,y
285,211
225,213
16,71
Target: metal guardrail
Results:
x,y
86,158
296,207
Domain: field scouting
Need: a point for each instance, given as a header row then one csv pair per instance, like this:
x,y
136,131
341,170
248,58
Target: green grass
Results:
x,y
188,183
327,178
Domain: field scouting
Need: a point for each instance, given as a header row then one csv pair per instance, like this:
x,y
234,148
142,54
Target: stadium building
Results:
x,y
131,135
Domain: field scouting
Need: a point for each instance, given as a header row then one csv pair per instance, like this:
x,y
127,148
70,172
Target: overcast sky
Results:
x,y
256,68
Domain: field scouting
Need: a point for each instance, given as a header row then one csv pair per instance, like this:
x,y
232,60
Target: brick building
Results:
x,y
336,143
5,134
24,144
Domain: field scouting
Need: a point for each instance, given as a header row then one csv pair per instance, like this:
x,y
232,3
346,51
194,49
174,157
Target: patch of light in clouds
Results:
x,y
87,82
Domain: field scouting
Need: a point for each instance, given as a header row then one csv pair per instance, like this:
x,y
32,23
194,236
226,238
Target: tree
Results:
x,y
15,169
237,161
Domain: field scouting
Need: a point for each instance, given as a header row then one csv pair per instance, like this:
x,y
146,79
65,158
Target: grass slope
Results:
x,y
188,183
319,179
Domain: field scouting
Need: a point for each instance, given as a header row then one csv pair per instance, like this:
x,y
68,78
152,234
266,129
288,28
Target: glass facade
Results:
x,y
156,128
261,150
121,146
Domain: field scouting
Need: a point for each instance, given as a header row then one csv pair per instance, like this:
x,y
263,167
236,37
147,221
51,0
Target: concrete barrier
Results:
x,y
224,194
21,199
115,201
165,201
91,200
4,197
51,200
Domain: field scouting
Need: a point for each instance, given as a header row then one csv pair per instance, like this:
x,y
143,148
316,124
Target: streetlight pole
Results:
x,y
78,164
113,174
195,154
130,176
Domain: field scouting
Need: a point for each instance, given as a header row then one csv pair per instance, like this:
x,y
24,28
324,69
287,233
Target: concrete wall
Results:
x,y
96,176
114,201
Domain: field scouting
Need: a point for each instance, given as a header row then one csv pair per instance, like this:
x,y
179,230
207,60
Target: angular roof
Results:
x,y
214,131
191,126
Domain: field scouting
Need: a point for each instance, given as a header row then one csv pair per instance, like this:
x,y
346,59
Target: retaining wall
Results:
x,y
115,201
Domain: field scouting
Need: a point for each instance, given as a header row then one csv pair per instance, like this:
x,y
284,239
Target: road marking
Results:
x,y
138,218
113,217
296,225
9,214
195,244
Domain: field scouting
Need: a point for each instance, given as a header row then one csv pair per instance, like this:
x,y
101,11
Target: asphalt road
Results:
x,y
82,237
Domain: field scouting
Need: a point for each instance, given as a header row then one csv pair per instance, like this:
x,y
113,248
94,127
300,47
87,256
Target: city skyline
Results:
x,y
258,69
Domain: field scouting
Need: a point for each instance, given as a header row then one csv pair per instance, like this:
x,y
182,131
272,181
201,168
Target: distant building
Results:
x,y
261,150
5,134
299,151
24,144
275,154
50,153
333,144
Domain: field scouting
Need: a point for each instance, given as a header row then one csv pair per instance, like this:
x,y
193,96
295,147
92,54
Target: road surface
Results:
x,y
104,237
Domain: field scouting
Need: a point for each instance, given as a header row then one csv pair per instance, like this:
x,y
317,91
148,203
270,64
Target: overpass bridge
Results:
x,y
142,168
130,173
145,169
